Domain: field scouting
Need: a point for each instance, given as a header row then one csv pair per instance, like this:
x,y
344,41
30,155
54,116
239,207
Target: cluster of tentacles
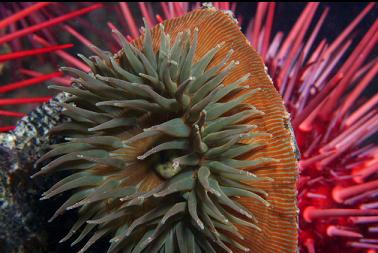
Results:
x,y
156,145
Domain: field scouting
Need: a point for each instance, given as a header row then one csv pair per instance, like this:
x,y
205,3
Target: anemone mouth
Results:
x,y
164,145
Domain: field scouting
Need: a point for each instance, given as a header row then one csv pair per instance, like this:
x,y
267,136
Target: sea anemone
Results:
x,y
178,143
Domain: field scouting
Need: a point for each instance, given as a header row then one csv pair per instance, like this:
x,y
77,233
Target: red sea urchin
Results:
x,y
338,183
24,34
178,143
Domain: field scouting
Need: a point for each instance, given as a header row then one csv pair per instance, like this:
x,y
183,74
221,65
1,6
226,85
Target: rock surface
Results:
x,y
23,217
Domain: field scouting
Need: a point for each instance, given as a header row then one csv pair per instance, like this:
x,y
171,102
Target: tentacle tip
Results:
x,y
34,175
141,157
221,44
248,215
74,206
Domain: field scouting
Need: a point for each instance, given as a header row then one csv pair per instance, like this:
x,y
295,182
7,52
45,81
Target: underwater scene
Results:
x,y
188,127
